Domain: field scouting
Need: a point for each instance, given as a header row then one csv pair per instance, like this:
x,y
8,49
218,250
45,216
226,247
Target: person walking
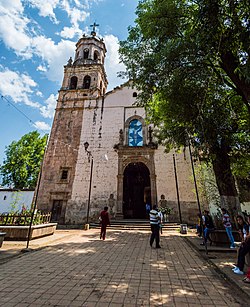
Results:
x,y
228,226
155,219
104,221
208,227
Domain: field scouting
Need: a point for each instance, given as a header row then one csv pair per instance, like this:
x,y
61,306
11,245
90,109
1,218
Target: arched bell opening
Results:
x,y
73,83
86,82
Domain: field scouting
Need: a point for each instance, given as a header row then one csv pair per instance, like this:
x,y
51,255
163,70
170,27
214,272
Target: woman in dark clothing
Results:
x,y
244,247
243,227
243,251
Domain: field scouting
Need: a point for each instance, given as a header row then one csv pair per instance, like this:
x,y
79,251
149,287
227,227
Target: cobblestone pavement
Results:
x,y
121,271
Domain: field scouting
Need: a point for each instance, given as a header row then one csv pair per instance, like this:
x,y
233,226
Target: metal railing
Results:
x,y
24,219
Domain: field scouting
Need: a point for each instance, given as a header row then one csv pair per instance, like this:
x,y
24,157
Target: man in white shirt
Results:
x,y
155,220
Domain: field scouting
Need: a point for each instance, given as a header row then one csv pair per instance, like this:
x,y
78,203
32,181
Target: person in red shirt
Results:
x,y
104,221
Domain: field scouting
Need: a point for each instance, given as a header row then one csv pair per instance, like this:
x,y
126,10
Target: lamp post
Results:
x,y
177,189
90,159
197,194
35,199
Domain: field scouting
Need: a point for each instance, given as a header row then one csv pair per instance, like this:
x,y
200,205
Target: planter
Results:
x,y
2,235
20,233
219,237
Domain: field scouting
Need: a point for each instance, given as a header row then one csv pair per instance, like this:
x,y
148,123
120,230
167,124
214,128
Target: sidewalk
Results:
x,y
79,269
223,259
12,249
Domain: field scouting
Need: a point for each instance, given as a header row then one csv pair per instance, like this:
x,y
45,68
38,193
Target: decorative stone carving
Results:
x,y
111,205
121,137
151,144
70,61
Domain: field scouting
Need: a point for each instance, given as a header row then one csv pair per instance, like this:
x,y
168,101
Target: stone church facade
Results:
x,y
129,169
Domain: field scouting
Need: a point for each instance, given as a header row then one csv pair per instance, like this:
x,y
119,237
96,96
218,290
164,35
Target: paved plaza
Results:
x,y
82,270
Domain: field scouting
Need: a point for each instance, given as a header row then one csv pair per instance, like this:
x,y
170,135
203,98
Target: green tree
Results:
x,y
21,166
175,54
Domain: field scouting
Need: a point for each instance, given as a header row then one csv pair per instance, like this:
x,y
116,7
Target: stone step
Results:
x,y
136,222
135,225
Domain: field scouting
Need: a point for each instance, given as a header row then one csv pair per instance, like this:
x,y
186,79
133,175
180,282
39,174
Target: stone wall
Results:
x,y
102,123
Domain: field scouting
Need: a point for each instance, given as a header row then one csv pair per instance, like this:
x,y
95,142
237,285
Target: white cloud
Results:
x,y
41,68
39,94
46,8
18,33
49,110
70,32
14,27
56,55
42,126
112,62
75,15
17,86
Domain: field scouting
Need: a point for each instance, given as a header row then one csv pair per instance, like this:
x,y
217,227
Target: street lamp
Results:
x,y
177,189
90,159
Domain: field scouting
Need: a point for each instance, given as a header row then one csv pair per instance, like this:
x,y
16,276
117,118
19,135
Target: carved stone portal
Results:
x,y
132,157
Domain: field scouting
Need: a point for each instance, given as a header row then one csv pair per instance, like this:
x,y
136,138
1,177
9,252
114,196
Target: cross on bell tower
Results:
x,y
93,32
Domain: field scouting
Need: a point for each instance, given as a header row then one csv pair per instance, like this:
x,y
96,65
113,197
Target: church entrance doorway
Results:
x,y
136,190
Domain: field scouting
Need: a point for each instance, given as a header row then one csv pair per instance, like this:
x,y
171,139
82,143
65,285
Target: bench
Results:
x,y
2,235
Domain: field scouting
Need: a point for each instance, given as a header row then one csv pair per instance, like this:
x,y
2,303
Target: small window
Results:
x,y
134,94
86,82
64,175
73,83
86,53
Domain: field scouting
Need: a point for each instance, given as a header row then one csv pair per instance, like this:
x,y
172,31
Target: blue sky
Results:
x,y
37,37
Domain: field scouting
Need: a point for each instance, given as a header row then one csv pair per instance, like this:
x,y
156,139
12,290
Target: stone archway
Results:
x,y
136,190
126,156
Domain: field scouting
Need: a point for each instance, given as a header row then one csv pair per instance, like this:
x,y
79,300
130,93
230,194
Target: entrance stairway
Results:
x,y
134,224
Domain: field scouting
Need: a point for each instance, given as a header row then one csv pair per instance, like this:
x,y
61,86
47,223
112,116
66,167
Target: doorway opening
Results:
x,y
136,190
56,214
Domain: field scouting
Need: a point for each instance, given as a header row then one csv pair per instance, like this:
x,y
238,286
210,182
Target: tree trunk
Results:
x,y
230,64
225,180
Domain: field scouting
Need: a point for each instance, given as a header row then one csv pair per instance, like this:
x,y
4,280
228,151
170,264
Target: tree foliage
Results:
x,y
190,59
21,166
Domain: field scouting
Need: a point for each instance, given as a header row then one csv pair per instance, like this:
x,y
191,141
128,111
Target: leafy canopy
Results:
x,y
190,59
21,166
169,34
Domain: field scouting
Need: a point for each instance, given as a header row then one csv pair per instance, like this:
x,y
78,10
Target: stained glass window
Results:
x,y
135,137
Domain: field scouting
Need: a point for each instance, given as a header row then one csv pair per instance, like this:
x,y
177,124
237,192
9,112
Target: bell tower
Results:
x,y
84,83
86,73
